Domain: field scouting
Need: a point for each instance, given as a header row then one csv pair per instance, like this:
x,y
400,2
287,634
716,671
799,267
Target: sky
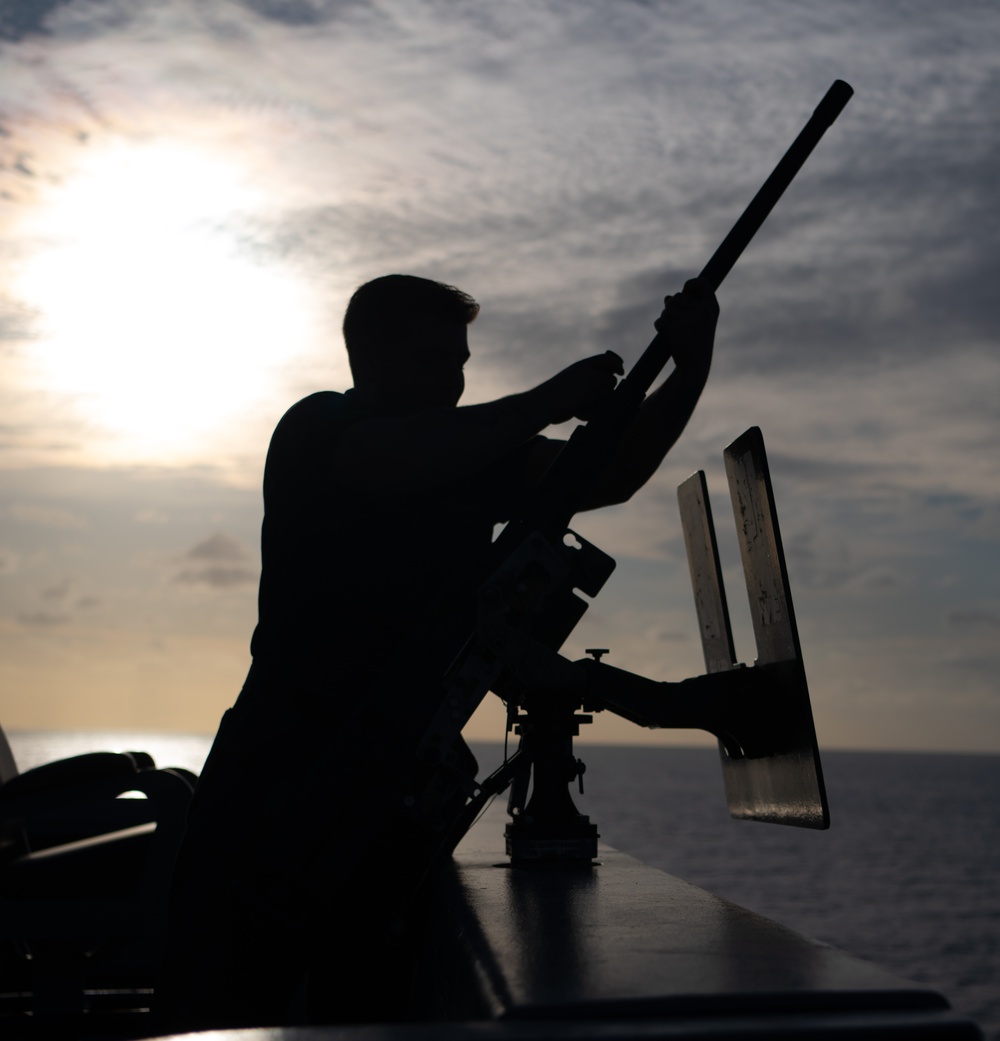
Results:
x,y
191,189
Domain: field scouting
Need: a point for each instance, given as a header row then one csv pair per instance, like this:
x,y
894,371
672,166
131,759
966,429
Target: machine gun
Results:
x,y
528,607
417,804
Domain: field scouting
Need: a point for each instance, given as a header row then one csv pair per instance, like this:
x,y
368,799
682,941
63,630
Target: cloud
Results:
x,y
9,561
17,323
22,18
217,547
45,516
217,577
60,591
77,19
974,620
42,619
151,516
297,12
59,603
218,562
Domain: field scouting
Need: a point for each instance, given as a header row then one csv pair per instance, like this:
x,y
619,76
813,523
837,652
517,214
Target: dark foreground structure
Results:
x,y
587,952
551,936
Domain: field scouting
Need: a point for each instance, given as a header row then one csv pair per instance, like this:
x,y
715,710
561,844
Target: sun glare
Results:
x,y
151,321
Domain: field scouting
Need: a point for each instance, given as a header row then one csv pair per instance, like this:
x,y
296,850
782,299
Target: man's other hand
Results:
x,y
575,392
688,322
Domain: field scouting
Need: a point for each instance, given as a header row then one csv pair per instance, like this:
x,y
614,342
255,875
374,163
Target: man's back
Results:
x,y
346,570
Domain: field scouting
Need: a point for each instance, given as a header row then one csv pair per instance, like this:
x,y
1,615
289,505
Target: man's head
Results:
x,y
407,341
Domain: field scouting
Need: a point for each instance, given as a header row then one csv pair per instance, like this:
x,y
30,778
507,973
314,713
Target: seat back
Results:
x,y
8,766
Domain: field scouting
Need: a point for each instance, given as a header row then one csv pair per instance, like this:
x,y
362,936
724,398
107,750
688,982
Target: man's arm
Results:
x,y
431,448
688,319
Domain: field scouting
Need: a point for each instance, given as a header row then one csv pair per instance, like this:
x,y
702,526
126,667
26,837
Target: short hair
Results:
x,y
387,308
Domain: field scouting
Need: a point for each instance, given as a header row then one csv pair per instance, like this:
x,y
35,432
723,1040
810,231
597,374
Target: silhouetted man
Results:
x,y
377,502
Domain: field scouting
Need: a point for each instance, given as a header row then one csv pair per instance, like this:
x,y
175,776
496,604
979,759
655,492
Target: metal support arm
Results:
x,y
747,709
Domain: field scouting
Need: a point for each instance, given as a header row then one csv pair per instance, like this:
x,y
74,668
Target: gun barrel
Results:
x,y
656,355
773,188
591,447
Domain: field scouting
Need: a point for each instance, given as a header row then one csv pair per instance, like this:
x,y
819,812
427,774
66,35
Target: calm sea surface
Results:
x,y
907,877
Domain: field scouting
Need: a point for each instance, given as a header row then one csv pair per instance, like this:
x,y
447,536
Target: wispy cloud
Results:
x,y
9,561
218,562
44,516
983,621
42,619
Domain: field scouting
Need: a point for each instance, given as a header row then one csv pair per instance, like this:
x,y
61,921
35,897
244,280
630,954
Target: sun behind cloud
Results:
x,y
152,325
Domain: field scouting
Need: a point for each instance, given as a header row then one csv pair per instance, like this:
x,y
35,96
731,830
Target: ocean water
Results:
x,y
907,877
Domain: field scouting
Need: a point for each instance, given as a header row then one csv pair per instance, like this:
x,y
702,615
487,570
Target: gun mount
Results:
x,y
761,714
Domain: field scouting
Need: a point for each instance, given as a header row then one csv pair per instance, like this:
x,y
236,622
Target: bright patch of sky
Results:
x,y
152,324
189,191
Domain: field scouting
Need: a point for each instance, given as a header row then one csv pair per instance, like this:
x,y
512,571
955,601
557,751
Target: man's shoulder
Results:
x,y
323,410
321,403
306,432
